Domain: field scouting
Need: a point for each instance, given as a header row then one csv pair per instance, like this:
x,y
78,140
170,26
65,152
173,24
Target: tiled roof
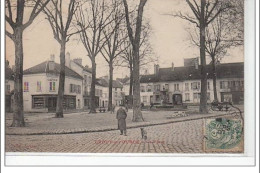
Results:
x,y
44,68
228,70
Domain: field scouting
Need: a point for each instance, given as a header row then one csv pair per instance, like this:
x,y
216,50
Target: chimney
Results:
x,y
67,59
156,69
78,61
196,63
172,66
52,62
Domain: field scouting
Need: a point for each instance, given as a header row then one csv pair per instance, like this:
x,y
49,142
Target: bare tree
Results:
x,y
92,18
135,42
146,56
115,36
61,25
18,25
203,14
221,36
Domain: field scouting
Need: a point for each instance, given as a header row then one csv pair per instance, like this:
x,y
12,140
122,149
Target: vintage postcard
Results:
x,y
127,77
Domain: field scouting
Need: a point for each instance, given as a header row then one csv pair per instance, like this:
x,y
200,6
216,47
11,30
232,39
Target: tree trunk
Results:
x,y
93,88
59,108
110,86
203,96
131,80
18,115
137,114
214,78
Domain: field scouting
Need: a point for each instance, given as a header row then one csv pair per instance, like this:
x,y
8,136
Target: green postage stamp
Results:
x,y
223,135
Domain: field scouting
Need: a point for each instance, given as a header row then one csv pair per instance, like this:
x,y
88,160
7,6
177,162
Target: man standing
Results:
x,y
121,116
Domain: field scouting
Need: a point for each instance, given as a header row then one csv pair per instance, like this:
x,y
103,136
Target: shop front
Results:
x,y
49,102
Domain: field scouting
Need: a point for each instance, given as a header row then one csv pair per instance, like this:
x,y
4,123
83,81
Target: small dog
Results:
x,y
143,133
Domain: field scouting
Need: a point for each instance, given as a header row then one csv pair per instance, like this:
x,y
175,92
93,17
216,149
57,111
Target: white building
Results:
x,y
41,83
178,85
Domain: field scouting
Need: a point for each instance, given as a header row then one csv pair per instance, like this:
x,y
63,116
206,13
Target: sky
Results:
x,y
169,39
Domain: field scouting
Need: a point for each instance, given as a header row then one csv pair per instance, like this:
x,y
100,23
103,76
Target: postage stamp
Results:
x,y
223,135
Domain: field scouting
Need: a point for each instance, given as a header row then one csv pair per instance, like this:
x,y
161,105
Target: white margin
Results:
x,y
247,159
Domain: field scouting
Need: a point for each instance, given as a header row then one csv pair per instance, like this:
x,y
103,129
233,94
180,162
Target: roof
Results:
x,y
104,82
84,68
228,70
44,68
9,74
123,80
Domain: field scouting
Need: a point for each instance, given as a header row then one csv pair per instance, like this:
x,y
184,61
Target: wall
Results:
x,y
45,79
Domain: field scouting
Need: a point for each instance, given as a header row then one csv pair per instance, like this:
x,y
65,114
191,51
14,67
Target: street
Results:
x,y
179,137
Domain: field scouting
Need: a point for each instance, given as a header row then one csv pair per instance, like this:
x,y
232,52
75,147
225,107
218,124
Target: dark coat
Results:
x,y
121,116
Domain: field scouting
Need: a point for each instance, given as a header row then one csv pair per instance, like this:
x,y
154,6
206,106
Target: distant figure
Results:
x,y
121,116
143,133
151,105
113,108
126,107
142,105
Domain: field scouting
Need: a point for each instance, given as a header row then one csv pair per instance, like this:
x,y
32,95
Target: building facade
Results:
x,y
178,85
40,88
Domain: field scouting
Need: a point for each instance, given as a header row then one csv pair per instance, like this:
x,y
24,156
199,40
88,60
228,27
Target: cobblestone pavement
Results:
x,y
181,137
84,122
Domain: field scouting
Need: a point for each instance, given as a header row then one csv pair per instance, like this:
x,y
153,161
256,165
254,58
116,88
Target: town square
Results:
x,y
119,76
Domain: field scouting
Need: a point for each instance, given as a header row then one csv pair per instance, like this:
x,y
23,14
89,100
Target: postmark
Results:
x,y
223,135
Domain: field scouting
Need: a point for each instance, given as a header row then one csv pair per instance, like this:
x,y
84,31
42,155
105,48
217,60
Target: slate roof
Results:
x,y
44,68
228,70
84,68
123,80
103,82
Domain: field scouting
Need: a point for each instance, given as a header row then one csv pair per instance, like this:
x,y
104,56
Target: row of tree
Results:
x,y
109,28
103,28
220,26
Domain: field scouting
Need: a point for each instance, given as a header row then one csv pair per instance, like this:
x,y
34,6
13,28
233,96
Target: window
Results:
x,y
176,87
7,88
166,87
208,85
115,89
149,88
142,89
115,94
26,87
156,87
157,98
187,96
196,96
39,86
52,86
186,86
195,85
76,89
144,99
38,102
225,84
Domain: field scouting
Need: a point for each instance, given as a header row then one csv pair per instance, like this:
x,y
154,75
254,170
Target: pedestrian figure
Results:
x,y
113,108
121,116
126,107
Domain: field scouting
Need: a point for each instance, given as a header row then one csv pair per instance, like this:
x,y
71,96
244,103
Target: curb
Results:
x,y
62,132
